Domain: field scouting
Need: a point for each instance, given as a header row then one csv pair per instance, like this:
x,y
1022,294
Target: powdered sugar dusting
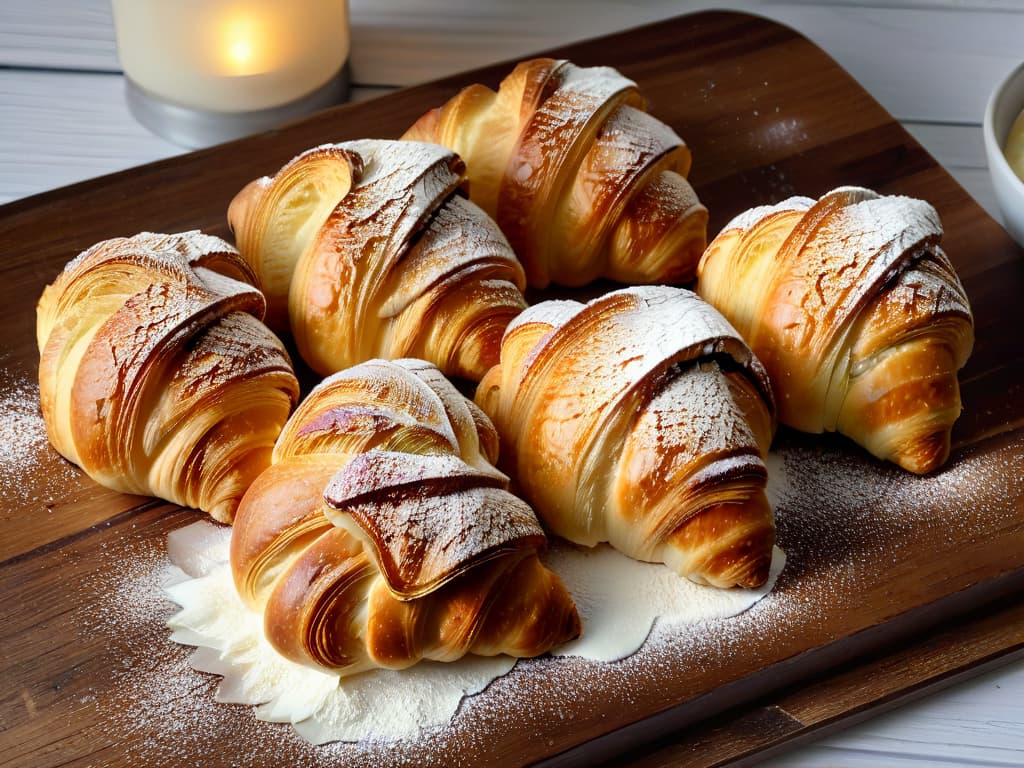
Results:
x,y
323,707
553,312
881,499
587,85
581,91
411,171
932,280
458,238
194,245
638,132
427,516
399,184
752,216
25,449
695,415
548,142
845,521
388,705
643,326
865,242
387,386
620,599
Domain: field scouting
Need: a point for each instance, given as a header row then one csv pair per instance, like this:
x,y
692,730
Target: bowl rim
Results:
x,y
988,128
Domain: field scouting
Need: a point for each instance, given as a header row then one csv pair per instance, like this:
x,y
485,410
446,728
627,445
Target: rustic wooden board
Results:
x,y
93,679
848,694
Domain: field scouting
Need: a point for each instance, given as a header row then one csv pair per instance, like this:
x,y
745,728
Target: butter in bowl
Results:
x,y
1003,129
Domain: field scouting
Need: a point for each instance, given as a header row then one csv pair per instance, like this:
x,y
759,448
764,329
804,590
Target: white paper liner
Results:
x,y
618,599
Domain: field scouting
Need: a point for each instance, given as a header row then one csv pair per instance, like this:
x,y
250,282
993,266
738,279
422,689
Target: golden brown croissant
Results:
x,y
641,419
582,181
370,252
383,534
156,375
856,313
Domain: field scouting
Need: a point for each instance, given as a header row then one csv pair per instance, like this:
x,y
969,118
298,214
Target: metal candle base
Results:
x,y
196,128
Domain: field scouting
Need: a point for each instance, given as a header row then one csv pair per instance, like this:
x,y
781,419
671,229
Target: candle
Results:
x,y
229,57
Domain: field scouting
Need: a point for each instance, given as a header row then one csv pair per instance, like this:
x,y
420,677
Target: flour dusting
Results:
x,y
845,520
619,601
31,474
382,704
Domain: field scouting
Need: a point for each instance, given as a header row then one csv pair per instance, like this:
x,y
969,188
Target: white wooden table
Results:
x,y
931,63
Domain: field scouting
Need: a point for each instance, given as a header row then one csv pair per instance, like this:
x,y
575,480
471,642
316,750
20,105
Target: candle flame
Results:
x,y
242,45
241,52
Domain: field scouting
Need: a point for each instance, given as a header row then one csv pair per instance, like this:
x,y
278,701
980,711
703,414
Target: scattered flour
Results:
x,y
31,472
382,704
844,520
619,601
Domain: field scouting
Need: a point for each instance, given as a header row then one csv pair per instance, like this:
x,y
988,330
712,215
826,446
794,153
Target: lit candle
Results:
x,y
239,63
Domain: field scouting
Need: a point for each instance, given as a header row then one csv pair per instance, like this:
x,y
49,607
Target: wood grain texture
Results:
x,y
773,116
950,727
876,683
957,50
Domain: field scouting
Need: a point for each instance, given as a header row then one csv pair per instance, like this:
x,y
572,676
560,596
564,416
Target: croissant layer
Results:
x,y
383,534
156,375
857,314
366,250
580,178
640,419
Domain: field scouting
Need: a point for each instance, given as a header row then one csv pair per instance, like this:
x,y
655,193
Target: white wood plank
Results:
x,y
961,150
975,723
960,146
937,65
932,60
63,127
58,34
59,128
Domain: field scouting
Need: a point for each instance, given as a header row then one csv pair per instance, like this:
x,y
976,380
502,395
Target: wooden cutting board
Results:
x,y
880,563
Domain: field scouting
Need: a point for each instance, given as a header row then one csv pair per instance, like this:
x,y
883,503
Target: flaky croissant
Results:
x,y
857,314
383,534
369,251
582,181
156,375
641,419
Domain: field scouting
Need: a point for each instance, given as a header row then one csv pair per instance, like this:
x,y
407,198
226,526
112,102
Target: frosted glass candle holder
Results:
x,y
199,72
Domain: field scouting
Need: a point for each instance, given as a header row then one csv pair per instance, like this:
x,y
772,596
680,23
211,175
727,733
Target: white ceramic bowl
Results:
x,y
1005,103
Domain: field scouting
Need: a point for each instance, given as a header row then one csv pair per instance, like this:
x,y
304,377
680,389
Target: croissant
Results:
x,y
368,251
580,178
641,419
383,534
857,314
156,375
